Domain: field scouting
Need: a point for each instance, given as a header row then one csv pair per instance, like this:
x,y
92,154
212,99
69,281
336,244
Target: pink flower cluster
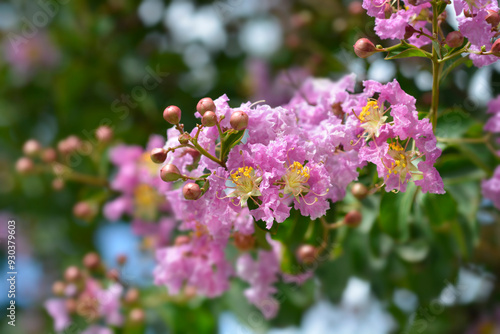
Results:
x,y
391,21
491,187
141,189
302,155
92,302
473,24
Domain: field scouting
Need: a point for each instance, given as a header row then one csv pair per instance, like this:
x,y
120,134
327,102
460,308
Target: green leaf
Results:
x,y
414,251
441,6
230,139
395,210
407,53
440,209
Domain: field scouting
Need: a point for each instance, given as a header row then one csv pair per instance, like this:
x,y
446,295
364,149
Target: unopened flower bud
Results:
x,y
113,274
170,173
353,218
71,305
24,165
132,296
239,120
306,254
495,48
49,155
493,18
172,114
184,138
355,8
57,184
388,10
72,274
359,190
104,134
83,210
121,259
209,119
58,288
364,48
454,39
205,104
190,291
137,315
182,240
243,242
31,147
158,155
409,31
191,191
92,261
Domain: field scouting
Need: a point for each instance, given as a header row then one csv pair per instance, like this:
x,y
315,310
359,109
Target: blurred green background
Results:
x,y
69,66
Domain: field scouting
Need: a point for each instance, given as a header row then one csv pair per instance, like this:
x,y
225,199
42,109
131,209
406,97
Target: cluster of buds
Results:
x,y
60,160
94,293
189,143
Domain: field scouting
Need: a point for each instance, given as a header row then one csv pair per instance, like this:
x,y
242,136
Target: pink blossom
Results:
x,y
57,310
491,188
261,274
200,264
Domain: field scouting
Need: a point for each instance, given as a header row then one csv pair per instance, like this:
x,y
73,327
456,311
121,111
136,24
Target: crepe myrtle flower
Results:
x,y
392,19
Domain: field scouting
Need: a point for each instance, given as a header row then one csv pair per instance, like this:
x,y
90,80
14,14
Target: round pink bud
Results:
x,y
69,145
137,315
121,259
172,114
353,218
191,191
170,173
132,296
31,147
184,138
355,8
158,155
495,48
388,11
49,155
58,288
182,240
24,165
72,274
104,134
92,261
113,274
493,18
239,120
363,48
205,104
83,210
454,39
409,31
306,254
359,190
57,184
209,119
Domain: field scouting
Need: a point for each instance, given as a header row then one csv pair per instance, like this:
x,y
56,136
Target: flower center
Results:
x,y
296,179
246,184
402,160
146,202
372,118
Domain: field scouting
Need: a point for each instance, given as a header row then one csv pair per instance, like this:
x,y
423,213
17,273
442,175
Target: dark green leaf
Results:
x,y
395,210
229,140
440,209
